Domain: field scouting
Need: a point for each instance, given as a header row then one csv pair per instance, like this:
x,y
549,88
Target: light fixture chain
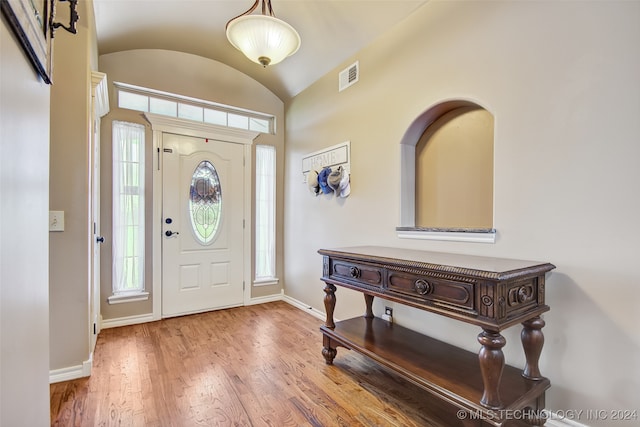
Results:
x,y
251,9
268,3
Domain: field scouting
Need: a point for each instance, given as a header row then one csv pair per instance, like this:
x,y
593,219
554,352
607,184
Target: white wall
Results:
x,y
561,79
24,239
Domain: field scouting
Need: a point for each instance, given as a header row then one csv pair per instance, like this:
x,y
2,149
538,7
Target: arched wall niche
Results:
x,y
447,174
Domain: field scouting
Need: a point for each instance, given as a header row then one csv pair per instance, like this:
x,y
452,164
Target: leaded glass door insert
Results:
x,y
205,202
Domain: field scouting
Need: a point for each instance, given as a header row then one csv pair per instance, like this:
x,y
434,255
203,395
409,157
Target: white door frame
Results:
x,y
99,108
161,124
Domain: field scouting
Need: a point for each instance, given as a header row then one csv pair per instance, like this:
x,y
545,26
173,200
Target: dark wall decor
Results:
x,y
32,23
29,22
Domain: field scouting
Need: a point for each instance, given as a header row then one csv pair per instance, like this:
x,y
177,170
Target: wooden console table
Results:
x,y
492,293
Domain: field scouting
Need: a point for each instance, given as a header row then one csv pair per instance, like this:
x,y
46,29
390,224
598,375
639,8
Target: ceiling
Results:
x,y
331,32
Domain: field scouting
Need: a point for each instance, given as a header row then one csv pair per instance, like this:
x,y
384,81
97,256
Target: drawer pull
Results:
x,y
422,286
354,272
524,294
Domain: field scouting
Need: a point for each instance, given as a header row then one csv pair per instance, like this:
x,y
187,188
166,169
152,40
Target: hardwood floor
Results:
x,y
250,366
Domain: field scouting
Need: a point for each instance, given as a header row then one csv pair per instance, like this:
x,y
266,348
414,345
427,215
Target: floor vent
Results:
x,y
348,76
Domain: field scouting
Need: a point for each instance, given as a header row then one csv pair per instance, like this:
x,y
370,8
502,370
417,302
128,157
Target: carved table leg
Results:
x,y
328,351
491,365
368,300
330,304
532,342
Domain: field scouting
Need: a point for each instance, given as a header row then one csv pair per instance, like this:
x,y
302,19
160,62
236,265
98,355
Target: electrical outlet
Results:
x,y
388,314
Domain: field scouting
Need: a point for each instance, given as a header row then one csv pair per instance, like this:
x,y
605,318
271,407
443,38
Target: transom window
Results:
x,y
168,104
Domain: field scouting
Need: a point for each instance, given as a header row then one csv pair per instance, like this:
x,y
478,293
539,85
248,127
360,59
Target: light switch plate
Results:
x,y
56,220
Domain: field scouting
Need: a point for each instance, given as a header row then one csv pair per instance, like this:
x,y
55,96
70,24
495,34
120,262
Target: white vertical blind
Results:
x,y
128,207
265,212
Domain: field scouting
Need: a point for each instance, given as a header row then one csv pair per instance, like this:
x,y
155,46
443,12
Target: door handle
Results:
x,y
100,239
170,233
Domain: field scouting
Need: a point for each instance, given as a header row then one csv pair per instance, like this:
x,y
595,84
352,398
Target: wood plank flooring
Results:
x,y
249,366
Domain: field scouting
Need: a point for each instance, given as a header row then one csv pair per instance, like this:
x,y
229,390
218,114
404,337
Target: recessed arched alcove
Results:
x,y
447,174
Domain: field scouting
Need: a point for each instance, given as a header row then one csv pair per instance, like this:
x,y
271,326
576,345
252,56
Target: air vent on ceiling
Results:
x,y
348,76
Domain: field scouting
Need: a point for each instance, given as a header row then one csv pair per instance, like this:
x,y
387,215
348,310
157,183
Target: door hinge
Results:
x,y
243,285
243,224
95,329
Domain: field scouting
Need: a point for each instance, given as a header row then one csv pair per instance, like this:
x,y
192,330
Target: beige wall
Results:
x,y
454,171
24,239
69,276
561,79
107,310
187,75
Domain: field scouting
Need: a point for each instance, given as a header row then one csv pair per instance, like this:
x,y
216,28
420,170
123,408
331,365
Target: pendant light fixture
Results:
x,y
264,39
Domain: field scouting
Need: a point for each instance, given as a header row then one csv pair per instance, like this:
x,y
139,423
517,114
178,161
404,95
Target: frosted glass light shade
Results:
x,y
264,39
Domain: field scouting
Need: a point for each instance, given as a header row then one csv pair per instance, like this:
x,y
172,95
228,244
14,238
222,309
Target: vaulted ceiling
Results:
x,y
331,32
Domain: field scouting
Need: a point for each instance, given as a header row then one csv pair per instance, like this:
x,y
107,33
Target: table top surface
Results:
x,y
441,261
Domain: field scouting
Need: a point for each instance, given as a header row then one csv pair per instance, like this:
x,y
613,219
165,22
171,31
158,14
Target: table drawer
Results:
x,y
523,295
357,273
433,289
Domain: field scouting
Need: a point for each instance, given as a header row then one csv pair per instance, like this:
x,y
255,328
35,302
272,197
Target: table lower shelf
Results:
x,y
444,370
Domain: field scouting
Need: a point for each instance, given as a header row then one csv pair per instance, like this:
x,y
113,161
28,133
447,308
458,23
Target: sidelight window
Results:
x,y
128,208
265,241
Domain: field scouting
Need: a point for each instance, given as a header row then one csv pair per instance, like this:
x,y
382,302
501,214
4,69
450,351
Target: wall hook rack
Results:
x,y
73,18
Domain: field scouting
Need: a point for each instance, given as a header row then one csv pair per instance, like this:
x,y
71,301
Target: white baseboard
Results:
x,y
266,299
304,307
557,420
126,321
72,372
294,302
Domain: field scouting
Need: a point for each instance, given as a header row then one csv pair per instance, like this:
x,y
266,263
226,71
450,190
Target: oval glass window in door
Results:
x,y
205,202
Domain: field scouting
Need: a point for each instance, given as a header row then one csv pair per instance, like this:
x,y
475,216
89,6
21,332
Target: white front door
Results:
x,y
202,225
